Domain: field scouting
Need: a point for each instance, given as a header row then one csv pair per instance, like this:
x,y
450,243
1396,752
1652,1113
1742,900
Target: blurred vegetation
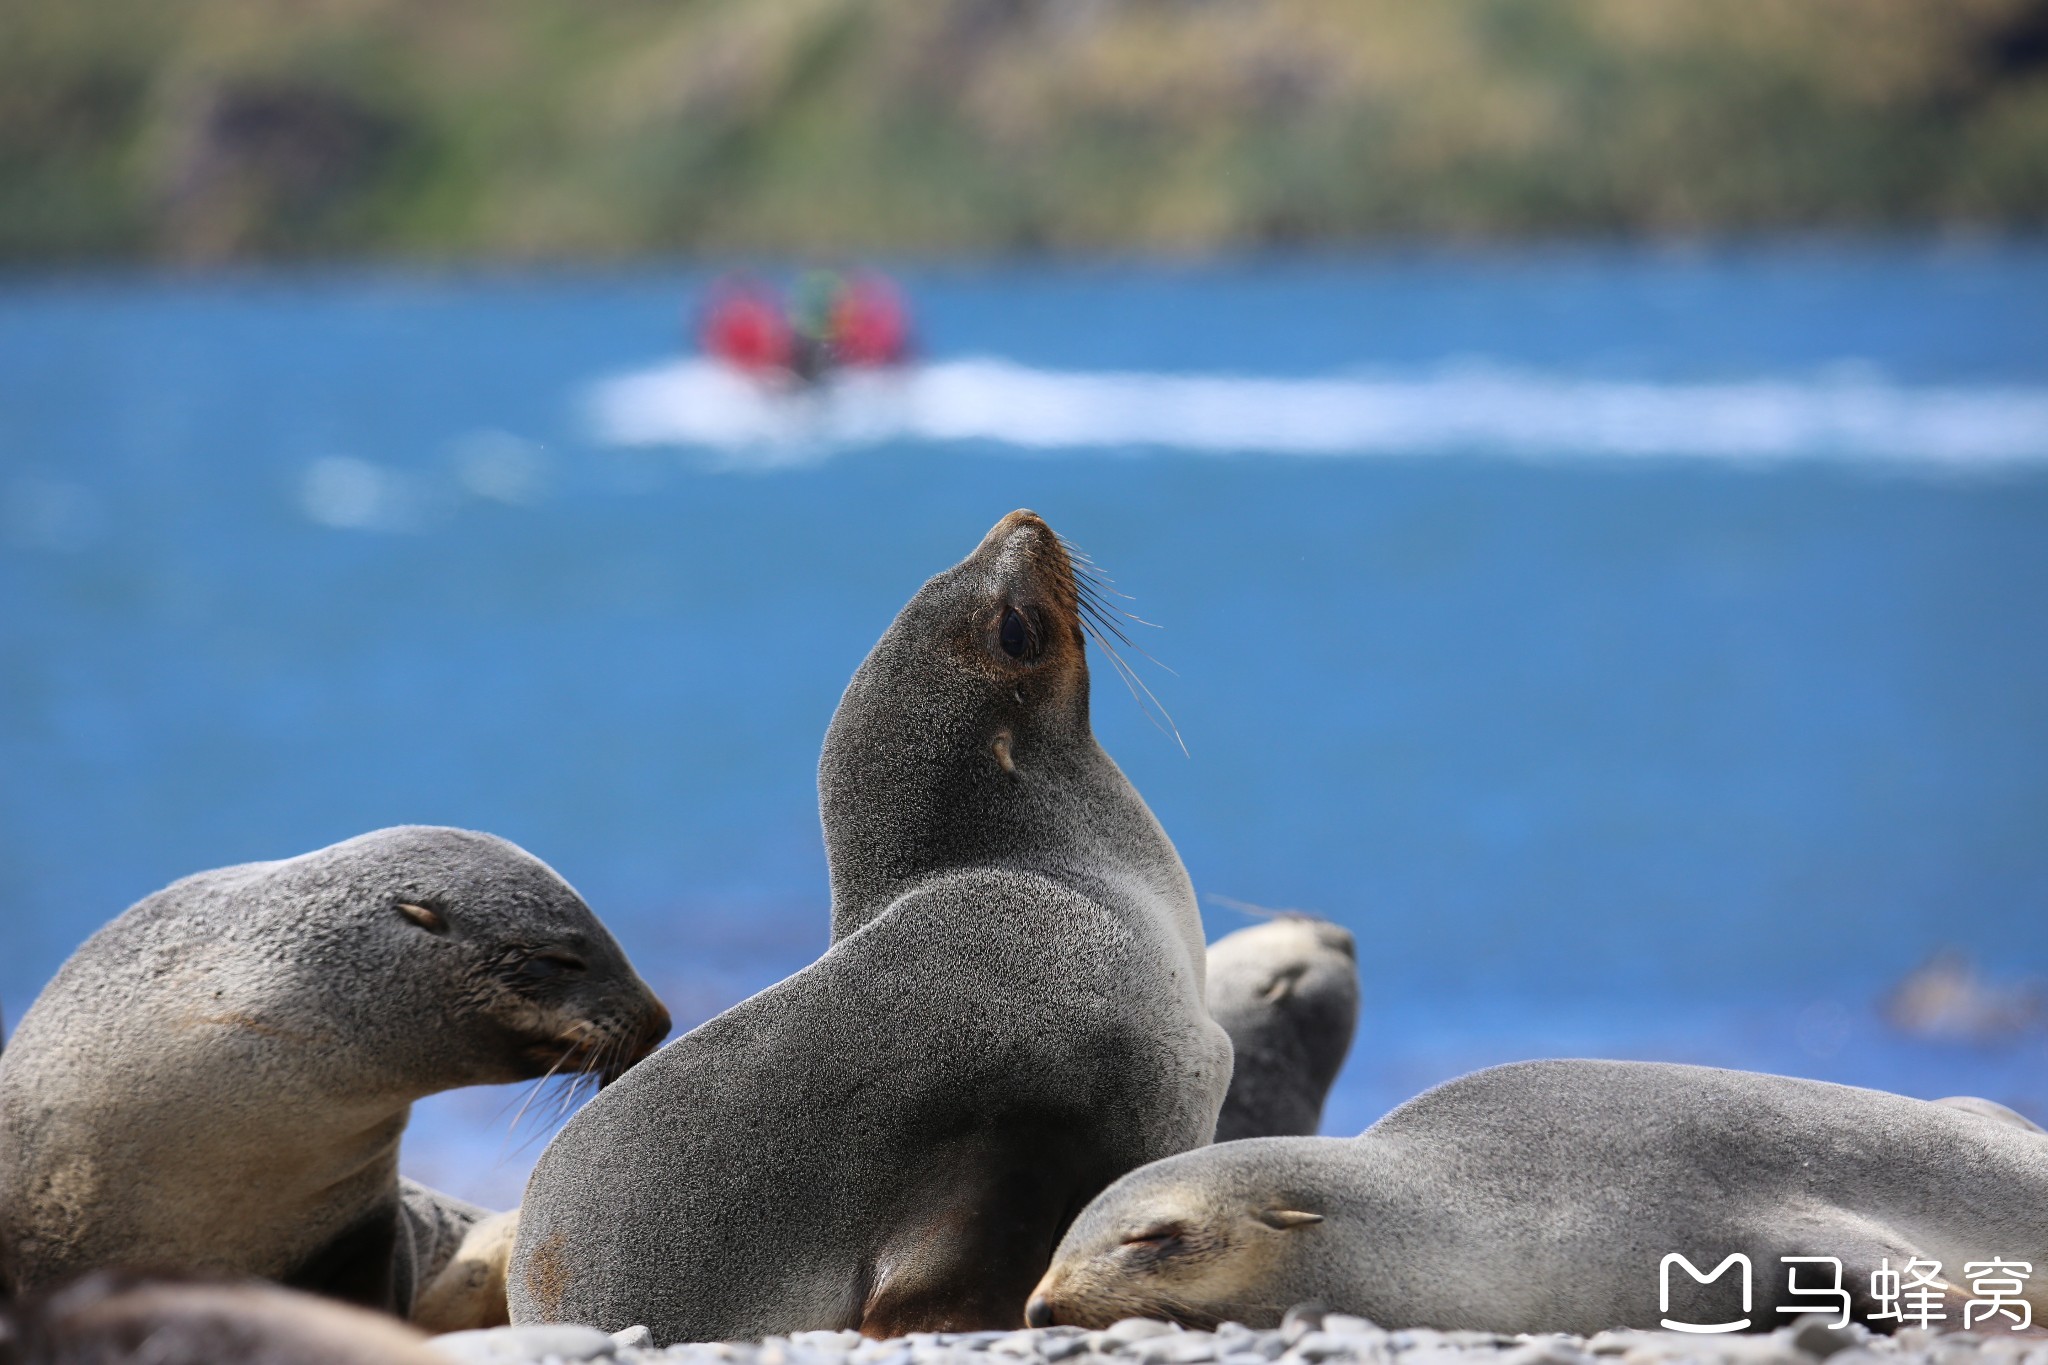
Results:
x,y
219,129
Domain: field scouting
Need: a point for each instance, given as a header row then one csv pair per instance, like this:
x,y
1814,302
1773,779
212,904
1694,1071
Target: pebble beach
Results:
x,y
1304,1338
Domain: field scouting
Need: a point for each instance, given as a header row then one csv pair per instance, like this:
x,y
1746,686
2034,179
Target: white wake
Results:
x,y
701,404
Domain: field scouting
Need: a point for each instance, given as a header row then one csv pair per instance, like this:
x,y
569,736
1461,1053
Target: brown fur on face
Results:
x,y
1182,1258
1022,551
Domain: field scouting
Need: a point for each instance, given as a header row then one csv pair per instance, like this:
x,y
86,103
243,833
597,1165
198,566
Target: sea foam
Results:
x,y
1852,416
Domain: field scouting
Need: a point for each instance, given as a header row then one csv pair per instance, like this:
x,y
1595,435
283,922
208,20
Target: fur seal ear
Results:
x,y
425,918
1283,1219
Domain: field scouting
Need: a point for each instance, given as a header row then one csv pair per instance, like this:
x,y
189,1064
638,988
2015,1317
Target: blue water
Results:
x,y
1685,758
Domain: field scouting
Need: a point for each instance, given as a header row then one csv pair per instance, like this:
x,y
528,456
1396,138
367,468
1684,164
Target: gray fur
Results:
x,y
1543,1197
1286,992
217,1080
116,1318
1009,1017
1992,1110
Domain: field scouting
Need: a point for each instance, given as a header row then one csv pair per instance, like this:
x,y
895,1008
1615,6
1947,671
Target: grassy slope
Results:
x,y
223,128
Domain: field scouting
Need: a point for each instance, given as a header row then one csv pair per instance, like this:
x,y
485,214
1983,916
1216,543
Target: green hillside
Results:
x,y
222,129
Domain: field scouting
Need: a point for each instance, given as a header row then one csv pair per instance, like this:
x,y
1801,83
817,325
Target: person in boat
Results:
x,y
745,328
869,325
834,322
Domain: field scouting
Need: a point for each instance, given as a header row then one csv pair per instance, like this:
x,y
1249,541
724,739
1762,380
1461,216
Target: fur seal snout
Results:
x,y
1010,1015
1286,992
1545,1196
218,1079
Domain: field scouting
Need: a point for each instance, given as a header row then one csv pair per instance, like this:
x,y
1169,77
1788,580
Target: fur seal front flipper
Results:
x,y
217,1081
1286,992
1544,1196
1010,1016
466,1292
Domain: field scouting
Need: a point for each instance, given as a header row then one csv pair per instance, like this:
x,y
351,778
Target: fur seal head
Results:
x,y
964,736
218,1079
1286,992
517,976
456,958
1197,1239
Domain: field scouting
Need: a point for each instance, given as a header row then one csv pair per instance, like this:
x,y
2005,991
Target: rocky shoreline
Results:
x,y
1305,1338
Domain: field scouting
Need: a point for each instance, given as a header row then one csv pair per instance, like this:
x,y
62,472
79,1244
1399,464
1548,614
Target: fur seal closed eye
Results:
x,y
1286,992
217,1080
1545,1197
1010,1016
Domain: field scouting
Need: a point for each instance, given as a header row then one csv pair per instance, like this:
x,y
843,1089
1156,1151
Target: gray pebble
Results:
x,y
1436,1355
1816,1338
825,1341
1345,1325
1300,1320
1133,1329
1320,1345
1023,1343
635,1336
1175,1348
522,1345
1542,1351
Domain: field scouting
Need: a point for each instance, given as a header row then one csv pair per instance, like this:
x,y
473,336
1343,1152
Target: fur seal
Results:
x,y
1011,1015
217,1080
1286,992
113,1317
1546,1197
467,1293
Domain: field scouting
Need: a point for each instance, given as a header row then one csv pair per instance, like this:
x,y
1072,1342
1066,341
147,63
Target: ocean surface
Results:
x,y
1645,652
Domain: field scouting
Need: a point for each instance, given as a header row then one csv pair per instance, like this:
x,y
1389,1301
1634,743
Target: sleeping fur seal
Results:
x,y
1545,1197
1010,1016
217,1080
1286,992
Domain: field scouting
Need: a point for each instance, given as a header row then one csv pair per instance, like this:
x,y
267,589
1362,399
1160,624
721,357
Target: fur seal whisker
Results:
x,y
1260,911
540,1083
1148,703
1097,620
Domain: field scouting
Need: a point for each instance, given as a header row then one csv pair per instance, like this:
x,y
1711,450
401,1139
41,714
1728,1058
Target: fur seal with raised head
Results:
x,y
217,1080
1286,992
1011,1016
1546,1196
112,1317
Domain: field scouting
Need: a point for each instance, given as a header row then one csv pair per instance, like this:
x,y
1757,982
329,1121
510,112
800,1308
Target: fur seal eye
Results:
x,y
424,916
552,964
1156,1238
1014,634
